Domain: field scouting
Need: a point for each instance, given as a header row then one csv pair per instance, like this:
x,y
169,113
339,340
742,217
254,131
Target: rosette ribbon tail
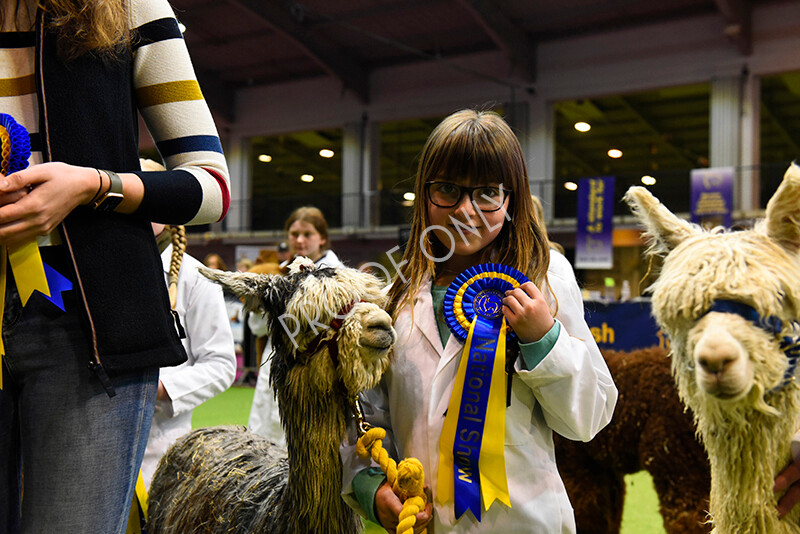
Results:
x,y
29,275
137,517
472,468
494,484
28,268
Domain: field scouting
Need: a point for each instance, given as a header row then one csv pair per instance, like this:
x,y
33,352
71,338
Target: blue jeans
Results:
x,y
75,450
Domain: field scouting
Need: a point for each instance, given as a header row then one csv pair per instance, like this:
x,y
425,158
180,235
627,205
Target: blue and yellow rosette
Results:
x,y
472,469
30,273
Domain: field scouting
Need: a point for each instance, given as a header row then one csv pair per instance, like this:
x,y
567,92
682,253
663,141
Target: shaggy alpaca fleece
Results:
x,y
227,480
650,431
728,370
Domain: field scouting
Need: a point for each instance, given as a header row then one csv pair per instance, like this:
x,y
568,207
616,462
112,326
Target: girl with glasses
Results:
x,y
473,206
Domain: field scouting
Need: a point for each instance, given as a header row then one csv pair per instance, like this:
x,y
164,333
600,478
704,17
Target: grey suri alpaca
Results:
x,y
331,340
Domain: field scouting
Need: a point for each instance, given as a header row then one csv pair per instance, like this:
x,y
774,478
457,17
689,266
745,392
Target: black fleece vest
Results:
x,y
88,117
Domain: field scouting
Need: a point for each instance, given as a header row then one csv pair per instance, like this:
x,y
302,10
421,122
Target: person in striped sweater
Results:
x,y
75,74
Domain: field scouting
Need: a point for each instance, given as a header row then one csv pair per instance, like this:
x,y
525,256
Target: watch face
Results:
x,y
108,202
113,196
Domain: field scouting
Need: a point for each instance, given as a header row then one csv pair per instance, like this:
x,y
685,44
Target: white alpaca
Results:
x,y
331,341
729,301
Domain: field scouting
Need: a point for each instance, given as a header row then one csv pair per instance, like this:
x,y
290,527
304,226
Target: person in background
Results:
x,y
211,366
233,305
472,174
244,264
215,261
308,236
80,376
789,480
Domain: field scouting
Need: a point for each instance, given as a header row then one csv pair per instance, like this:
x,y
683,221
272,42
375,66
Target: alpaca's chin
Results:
x,y
377,360
731,383
368,373
378,340
727,396
377,348
724,390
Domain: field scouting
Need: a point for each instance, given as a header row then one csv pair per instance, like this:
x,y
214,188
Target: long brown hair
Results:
x,y
479,147
83,26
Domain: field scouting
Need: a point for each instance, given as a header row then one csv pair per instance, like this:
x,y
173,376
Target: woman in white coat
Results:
x,y
211,366
308,236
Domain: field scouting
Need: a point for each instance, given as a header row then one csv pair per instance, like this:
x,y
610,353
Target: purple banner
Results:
x,y
712,196
593,246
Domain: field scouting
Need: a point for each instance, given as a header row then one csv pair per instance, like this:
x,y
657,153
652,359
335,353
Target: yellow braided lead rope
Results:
x,y
407,479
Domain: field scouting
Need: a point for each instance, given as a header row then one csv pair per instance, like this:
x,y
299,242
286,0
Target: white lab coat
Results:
x,y
211,366
264,417
570,391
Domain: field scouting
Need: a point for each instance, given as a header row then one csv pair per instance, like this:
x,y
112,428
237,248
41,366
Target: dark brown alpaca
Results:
x,y
650,431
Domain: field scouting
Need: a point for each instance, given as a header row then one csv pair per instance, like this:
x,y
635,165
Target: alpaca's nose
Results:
x,y
379,328
379,322
717,350
715,363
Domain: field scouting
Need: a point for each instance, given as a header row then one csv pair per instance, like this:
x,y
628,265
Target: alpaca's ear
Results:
x,y
252,288
783,212
664,230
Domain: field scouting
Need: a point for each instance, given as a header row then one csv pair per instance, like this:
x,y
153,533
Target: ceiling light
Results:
x,y
570,186
583,126
265,158
648,180
615,153
409,196
326,153
307,178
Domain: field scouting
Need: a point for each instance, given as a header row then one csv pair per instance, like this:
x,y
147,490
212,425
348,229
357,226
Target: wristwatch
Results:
x,y
112,197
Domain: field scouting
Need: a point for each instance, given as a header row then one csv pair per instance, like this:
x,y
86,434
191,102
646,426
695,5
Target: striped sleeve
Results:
x,y
195,189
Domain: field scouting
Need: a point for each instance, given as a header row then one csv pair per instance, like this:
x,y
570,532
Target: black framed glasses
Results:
x,y
487,198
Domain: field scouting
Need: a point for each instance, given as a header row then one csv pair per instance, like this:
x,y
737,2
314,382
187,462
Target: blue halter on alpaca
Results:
x,y
772,324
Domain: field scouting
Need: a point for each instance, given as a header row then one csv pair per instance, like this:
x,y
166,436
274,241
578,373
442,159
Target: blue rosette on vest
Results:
x,y
472,471
16,145
30,272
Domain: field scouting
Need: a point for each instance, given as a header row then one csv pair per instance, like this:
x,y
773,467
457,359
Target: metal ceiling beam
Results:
x,y
290,23
684,154
738,23
589,168
510,37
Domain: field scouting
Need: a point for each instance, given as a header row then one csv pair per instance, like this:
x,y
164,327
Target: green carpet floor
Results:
x,y
641,506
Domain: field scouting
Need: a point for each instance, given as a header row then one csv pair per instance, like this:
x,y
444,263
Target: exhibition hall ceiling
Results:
x,y
240,43
244,43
